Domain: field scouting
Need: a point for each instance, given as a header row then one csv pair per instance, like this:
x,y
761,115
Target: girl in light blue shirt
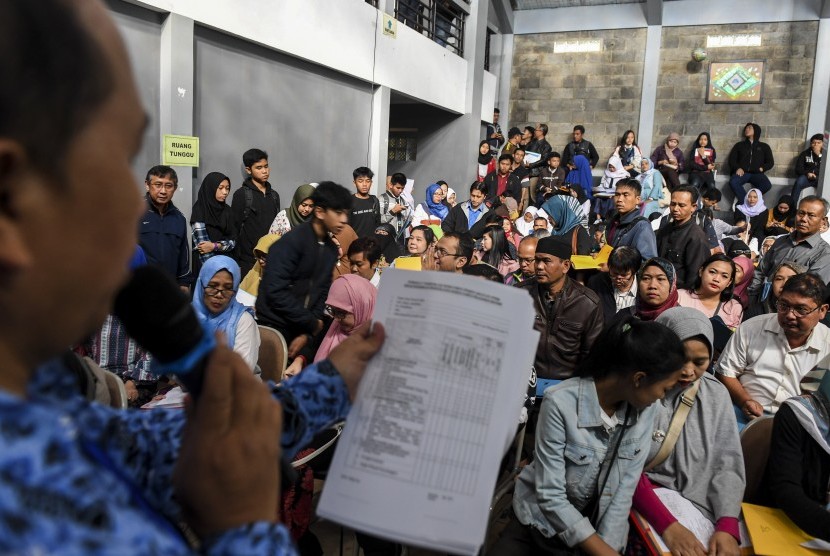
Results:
x,y
592,438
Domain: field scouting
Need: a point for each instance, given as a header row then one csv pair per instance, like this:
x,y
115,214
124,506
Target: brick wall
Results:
x,y
789,50
600,90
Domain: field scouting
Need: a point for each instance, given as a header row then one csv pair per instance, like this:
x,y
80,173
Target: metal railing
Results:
x,y
440,20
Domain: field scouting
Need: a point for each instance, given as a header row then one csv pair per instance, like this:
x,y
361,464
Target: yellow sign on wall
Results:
x,y
390,26
180,150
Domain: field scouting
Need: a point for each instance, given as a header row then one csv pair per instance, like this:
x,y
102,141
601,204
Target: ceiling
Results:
x,y
538,4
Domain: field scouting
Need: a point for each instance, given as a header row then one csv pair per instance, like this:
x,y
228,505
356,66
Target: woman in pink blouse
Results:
x,y
712,292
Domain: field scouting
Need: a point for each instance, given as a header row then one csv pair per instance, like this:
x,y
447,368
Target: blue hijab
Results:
x,y
227,320
437,209
565,211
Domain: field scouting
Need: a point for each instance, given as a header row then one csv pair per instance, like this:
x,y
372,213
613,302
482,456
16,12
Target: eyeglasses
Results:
x,y
335,313
527,260
162,185
441,253
210,291
799,310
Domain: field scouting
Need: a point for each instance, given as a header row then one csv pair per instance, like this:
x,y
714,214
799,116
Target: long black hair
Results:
x,y
499,250
726,294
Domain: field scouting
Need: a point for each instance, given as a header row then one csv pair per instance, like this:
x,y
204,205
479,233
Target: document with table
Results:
x,y
421,449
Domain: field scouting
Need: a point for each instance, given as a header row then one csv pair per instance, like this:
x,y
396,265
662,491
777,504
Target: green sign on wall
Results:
x,y
180,150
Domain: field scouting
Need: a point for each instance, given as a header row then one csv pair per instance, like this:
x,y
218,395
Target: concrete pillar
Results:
x,y
379,138
475,35
176,96
505,69
648,100
819,101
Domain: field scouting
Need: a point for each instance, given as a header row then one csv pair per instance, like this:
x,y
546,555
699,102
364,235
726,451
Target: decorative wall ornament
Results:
x,y
736,82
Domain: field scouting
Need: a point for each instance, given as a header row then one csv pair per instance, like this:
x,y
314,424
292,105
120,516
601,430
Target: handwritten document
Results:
x,y
420,453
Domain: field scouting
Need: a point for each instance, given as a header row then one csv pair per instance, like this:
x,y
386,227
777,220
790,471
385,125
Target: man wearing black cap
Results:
x,y
568,315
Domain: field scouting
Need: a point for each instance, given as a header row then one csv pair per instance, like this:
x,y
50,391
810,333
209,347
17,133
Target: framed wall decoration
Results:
x,y
736,82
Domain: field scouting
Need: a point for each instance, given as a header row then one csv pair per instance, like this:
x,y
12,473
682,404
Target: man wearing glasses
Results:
x,y
453,252
771,358
162,232
803,245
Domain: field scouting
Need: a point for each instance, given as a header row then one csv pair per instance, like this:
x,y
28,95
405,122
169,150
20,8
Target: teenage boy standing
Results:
x,y
254,207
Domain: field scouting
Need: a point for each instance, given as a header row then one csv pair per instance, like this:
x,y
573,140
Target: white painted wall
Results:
x,y
339,34
488,96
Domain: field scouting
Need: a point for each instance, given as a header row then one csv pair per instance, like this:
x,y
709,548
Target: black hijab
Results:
x,y
215,215
386,238
484,158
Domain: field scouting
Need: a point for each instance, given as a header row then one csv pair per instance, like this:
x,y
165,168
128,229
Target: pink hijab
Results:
x,y
350,293
739,292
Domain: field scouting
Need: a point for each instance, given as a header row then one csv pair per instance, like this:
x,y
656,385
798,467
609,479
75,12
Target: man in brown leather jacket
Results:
x,y
568,315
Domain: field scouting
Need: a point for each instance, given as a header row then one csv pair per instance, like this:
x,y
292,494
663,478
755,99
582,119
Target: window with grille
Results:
x,y
403,145
440,20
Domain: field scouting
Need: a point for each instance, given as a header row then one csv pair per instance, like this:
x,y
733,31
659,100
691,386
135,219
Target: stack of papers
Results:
x,y
420,453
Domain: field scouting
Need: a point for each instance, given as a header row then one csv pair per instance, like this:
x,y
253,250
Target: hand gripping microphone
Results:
x,y
158,315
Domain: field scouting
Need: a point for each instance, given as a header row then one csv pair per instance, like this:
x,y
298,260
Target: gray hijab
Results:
x,y
706,465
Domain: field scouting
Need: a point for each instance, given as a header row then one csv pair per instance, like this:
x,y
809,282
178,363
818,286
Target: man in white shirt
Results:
x,y
394,209
771,358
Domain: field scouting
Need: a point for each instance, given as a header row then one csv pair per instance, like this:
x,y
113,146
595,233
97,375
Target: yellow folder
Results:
x,y
585,262
774,534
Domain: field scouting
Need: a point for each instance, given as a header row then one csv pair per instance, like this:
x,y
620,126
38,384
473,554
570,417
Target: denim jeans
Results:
x,y
736,182
800,185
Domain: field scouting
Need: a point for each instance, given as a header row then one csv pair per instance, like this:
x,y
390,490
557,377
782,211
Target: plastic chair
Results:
x,y
109,389
755,444
273,353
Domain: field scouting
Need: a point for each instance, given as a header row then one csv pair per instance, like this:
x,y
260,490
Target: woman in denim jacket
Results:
x,y
592,438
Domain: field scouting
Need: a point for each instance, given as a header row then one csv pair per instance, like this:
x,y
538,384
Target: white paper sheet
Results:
x,y
692,519
817,544
418,458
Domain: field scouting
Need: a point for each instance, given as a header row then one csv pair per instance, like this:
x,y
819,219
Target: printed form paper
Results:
x,y
421,449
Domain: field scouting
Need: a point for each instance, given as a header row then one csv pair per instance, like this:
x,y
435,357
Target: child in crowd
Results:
x,y
254,206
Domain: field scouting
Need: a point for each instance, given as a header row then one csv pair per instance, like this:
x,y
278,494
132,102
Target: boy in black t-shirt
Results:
x,y
365,214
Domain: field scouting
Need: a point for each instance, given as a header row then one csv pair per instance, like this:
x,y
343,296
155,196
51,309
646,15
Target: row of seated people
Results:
x,y
748,162
656,290
287,267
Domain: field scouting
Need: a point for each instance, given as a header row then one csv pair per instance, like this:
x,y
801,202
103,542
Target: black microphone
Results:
x,y
158,315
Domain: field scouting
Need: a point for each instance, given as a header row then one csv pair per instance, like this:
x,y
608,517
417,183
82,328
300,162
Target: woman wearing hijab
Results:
x,y
565,215
581,175
219,311
798,469
385,236
775,221
604,191
669,161
451,197
651,182
744,273
214,232
524,225
350,303
752,206
702,163
656,290
249,287
704,464
298,211
432,210
486,161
